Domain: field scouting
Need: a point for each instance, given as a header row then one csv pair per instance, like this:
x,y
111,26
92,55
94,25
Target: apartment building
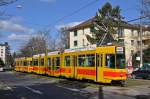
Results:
x,y
78,34
128,35
4,51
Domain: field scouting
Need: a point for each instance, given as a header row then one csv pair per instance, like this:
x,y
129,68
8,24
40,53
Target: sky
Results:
x,y
22,19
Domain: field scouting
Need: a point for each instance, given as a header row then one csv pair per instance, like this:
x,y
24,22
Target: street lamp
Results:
x,y
19,6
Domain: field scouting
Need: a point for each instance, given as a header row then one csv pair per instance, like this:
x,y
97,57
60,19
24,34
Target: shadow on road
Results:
x,y
142,97
42,91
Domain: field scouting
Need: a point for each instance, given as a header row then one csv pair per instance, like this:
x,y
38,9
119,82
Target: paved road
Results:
x,y
27,86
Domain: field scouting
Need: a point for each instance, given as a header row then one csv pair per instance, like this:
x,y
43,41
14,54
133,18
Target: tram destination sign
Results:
x,y
119,50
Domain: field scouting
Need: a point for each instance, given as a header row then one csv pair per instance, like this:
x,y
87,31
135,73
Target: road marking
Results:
x,y
33,90
23,98
8,88
71,89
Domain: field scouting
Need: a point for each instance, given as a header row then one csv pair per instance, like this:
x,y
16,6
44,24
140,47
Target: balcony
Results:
x,y
146,36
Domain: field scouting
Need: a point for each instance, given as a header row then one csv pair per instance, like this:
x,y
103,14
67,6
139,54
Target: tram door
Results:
x,y
74,64
56,66
53,66
99,67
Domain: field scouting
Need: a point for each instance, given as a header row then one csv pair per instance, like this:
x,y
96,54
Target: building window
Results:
x,y
92,29
75,33
132,32
138,42
132,52
132,42
144,42
121,41
75,43
83,42
121,32
138,33
83,31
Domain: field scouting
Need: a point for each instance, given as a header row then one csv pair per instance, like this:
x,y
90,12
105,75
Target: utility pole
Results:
x,y
141,45
141,34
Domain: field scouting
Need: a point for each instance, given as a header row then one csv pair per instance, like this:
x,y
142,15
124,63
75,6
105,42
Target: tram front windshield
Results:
x,y
120,61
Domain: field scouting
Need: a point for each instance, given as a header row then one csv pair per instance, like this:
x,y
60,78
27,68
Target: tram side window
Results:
x,y
81,60
30,63
17,63
110,61
67,60
42,62
57,61
35,62
27,63
21,64
49,62
24,63
90,60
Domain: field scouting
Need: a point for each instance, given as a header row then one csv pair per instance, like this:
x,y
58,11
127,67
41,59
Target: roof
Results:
x,y
5,44
88,23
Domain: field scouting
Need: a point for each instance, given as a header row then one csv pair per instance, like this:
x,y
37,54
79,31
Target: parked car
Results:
x,y
1,69
143,72
7,68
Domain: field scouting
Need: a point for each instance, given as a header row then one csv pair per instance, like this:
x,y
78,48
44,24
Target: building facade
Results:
x,y
128,35
4,52
78,34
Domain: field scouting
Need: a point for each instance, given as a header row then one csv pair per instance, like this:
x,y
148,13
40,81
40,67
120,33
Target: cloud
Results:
x,y
67,25
15,37
49,1
9,26
14,25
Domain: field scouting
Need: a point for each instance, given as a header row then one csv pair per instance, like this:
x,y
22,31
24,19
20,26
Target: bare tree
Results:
x,y
36,44
53,45
64,38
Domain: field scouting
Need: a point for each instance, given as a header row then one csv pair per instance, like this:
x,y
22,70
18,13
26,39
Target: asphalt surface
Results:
x,y
14,85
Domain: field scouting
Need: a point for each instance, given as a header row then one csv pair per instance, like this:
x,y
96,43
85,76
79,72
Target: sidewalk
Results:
x,y
124,91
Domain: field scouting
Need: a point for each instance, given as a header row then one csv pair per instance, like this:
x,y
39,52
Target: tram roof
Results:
x,y
43,54
53,53
80,49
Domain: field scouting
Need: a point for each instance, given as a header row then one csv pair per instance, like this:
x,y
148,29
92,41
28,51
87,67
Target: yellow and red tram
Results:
x,y
104,64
